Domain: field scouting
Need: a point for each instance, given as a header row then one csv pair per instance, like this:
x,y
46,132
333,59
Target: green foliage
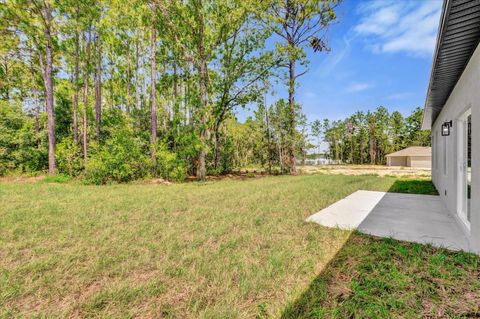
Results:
x,y
20,149
63,110
205,70
69,157
168,166
57,179
413,186
369,137
122,158
385,278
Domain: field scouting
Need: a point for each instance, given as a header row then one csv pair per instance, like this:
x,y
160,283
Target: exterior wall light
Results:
x,y
446,128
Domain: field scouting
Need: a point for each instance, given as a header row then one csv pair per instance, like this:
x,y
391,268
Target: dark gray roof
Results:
x,y
458,36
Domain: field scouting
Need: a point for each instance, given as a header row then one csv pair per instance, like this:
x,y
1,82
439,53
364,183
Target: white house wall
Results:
x,y
397,161
419,161
466,95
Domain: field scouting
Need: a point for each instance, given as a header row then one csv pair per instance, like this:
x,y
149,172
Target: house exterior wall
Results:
x,y
445,159
397,161
419,161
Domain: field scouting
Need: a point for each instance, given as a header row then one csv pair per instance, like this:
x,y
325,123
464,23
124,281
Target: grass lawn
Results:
x,y
225,249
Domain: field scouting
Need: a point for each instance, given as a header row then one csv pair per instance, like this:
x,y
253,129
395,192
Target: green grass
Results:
x,y
384,278
57,179
226,249
413,186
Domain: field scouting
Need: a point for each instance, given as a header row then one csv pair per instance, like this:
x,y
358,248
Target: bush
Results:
x,y
168,166
69,157
20,148
120,160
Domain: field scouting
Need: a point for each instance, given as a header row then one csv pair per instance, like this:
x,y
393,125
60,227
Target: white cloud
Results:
x,y
399,96
400,26
310,95
358,87
335,57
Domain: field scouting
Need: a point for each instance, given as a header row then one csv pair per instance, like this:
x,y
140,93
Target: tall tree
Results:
x,y
76,86
243,69
98,85
35,21
299,24
86,77
153,83
210,24
317,132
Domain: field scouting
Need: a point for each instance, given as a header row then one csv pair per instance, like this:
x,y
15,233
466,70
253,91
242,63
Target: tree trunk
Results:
x,y
291,103
165,106
268,139
154,94
203,74
372,152
52,169
85,101
186,90
175,81
361,149
137,78
201,168
7,77
111,89
98,87
36,107
75,89
128,80
216,146
351,148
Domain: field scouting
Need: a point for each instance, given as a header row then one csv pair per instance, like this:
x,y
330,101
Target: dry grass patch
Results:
x,y
226,249
379,170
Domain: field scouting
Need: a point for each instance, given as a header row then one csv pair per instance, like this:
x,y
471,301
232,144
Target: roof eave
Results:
x,y
427,120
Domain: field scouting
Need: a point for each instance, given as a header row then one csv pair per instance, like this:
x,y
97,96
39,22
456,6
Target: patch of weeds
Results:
x,y
262,311
385,278
167,311
57,179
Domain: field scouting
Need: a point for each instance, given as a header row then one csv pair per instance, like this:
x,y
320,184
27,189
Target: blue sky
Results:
x,y
381,54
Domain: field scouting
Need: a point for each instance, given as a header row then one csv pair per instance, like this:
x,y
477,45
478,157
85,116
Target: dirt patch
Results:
x,y
232,176
21,179
366,170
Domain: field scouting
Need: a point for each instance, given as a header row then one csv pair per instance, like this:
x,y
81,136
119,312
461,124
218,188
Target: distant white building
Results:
x,y
319,161
414,156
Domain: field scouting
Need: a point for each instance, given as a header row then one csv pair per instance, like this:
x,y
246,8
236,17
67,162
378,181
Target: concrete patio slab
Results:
x,y
414,218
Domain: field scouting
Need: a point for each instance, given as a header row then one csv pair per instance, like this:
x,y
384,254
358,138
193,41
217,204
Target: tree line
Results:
x,y
117,90
367,137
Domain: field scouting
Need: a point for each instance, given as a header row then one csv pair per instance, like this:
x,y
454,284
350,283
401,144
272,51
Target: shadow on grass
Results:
x,y
413,186
383,278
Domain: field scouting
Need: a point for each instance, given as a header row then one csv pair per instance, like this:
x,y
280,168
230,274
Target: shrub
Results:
x,y
120,159
69,157
20,148
168,166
